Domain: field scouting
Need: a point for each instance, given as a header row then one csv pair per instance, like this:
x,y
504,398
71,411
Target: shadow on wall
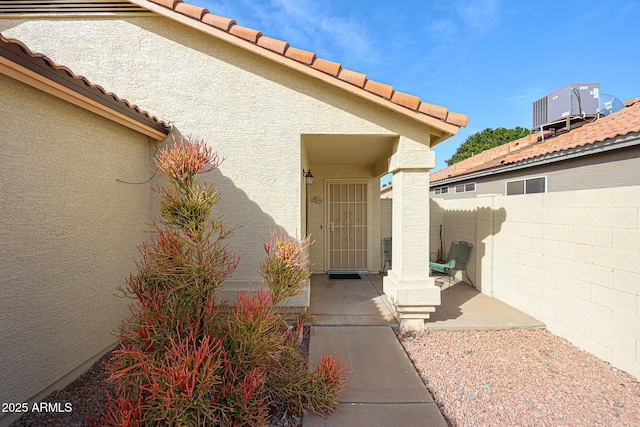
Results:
x,y
253,225
474,221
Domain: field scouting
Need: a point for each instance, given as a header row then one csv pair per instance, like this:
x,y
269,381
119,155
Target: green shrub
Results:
x,y
185,357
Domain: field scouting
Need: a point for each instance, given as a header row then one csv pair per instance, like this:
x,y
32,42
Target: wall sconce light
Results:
x,y
308,177
317,200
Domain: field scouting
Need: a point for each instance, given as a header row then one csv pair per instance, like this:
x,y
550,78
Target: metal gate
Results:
x,y
347,226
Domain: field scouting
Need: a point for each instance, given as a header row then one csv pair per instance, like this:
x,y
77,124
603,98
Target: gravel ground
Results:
x,y
477,378
87,395
521,378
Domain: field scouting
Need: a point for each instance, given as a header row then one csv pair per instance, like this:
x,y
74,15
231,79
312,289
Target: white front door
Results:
x,y
347,226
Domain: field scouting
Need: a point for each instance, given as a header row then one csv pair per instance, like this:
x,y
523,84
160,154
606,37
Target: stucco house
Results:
x,y
272,111
555,223
70,223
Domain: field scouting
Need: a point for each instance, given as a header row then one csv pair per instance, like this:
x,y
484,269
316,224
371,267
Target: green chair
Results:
x,y
457,260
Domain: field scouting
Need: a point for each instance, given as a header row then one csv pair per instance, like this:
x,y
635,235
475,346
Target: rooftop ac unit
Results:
x,y
574,100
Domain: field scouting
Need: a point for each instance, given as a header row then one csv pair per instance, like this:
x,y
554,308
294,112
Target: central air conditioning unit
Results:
x,y
575,100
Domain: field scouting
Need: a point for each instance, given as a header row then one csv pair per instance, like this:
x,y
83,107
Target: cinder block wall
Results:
x,y
386,219
459,221
569,259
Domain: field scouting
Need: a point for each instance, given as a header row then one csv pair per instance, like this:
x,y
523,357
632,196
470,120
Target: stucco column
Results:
x,y
408,285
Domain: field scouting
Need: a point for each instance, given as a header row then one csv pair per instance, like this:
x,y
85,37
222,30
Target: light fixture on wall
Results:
x,y
308,178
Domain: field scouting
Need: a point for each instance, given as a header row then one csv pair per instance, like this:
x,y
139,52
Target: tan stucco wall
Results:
x,y
436,218
570,259
251,110
69,233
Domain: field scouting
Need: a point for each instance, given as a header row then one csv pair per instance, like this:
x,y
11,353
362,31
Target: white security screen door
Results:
x,y
347,226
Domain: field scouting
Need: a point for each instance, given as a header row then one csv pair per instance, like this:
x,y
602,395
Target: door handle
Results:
x,y
330,225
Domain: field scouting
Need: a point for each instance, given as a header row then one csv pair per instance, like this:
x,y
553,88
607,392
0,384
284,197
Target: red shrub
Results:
x,y
186,358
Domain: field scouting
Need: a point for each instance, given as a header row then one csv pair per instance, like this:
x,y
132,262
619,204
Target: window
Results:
x,y
515,187
466,188
442,190
527,186
536,185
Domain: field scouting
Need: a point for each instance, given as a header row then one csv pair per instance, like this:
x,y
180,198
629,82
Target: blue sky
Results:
x,y
489,59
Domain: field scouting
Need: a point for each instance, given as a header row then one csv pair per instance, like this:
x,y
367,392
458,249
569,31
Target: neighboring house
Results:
x,y
270,110
555,224
386,192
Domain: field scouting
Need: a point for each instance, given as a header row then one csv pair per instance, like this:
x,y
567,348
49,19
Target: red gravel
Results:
x,y
521,378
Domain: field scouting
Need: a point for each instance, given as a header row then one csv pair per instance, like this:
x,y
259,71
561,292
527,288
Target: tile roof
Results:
x,y
310,59
623,122
18,53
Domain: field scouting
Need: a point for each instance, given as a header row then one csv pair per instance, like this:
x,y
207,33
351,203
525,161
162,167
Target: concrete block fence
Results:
x,y
569,259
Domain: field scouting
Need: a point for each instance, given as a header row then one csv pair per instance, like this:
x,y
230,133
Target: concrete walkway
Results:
x,y
350,302
354,320
384,389
463,307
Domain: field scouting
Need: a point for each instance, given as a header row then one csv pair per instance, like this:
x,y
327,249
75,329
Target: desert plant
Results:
x,y
286,266
187,358
326,382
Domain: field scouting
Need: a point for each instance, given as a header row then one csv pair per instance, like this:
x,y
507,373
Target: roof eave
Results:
x,y
58,90
440,129
619,142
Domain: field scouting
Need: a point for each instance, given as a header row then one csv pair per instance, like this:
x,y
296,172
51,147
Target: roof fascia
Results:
x,y
88,14
68,8
36,80
439,128
623,141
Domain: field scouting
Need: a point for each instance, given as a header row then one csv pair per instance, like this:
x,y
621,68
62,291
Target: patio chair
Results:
x,y
386,251
457,260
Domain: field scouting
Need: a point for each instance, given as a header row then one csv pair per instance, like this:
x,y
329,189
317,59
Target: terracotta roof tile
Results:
x,y
191,10
484,160
300,55
630,102
617,124
433,110
457,119
352,77
621,123
385,91
329,67
274,45
167,3
406,100
219,22
309,58
248,34
19,53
